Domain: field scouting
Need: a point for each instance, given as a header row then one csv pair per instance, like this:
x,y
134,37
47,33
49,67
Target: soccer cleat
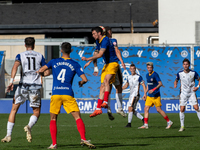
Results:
x,y
87,143
104,105
6,139
52,146
110,116
169,124
28,133
128,125
143,127
121,112
181,129
96,112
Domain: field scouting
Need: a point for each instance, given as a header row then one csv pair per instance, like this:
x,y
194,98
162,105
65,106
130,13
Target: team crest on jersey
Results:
x,y
151,79
125,75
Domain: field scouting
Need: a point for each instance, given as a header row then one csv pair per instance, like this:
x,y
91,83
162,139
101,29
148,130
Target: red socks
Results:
x,y
53,131
166,118
100,101
145,120
106,95
81,128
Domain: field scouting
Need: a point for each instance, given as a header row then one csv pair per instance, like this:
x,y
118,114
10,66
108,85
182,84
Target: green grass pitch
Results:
x,y
105,134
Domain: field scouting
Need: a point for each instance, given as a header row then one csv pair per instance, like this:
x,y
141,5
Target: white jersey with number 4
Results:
x,y
31,62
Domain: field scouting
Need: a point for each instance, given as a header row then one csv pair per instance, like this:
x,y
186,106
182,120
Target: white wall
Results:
x,y
134,38
177,20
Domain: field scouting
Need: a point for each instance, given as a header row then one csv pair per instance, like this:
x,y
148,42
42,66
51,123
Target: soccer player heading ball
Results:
x,y
107,51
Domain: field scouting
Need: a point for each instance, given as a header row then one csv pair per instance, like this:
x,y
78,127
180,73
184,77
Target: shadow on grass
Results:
x,y
102,145
158,137
98,145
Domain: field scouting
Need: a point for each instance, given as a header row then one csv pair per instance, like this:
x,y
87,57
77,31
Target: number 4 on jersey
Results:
x,y
61,75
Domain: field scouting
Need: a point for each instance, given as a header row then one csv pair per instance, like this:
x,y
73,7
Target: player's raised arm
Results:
x,y
99,55
13,73
119,56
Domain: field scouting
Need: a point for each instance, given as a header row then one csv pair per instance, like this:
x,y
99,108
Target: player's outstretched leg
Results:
x,y
105,103
98,110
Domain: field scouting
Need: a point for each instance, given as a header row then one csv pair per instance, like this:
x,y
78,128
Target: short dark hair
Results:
x,y
66,47
98,29
30,42
186,60
132,65
108,29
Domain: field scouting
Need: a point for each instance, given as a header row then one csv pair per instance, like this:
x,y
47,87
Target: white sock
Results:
x,y
32,121
182,117
198,114
10,126
138,115
118,97
130,116
109,99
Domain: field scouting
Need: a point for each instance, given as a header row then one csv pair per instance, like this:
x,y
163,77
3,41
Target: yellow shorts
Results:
x,y
69,103
151,101
110,68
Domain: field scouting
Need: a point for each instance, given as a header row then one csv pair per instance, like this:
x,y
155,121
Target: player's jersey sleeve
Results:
x,y
140,79
50,64
114,42
177,76
43,61
196,76
157,77
18,58
79,70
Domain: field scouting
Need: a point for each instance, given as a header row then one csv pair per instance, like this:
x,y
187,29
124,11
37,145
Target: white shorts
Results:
x,y
191,97
34,96
132,102
118,78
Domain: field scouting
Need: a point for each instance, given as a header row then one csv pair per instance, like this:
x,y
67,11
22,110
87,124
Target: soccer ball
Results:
x,y
104,30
